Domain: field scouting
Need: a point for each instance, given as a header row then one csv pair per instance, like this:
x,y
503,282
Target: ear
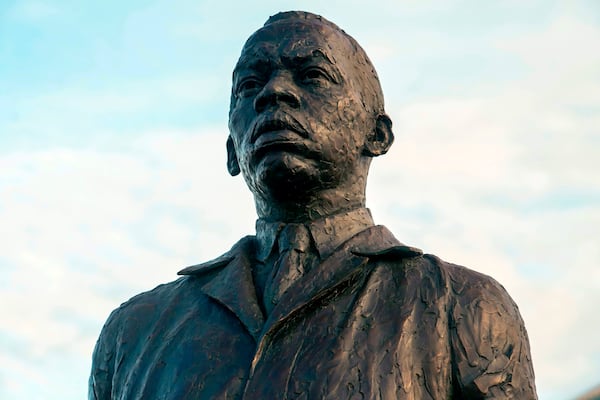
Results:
x,y
380,140
232,162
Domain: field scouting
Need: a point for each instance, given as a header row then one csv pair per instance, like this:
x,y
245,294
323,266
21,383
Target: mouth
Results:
x,y
281,123
280,141
277,133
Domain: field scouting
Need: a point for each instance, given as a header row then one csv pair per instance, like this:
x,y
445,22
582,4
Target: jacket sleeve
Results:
x,y
103,360
490,347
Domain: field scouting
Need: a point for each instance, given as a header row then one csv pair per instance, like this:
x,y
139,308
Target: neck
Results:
x,y
308,208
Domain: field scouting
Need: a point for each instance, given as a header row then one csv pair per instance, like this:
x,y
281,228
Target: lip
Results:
x,y
280,124
281,141
280,136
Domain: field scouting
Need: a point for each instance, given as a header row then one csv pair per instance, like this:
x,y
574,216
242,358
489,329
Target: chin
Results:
x,y
288,177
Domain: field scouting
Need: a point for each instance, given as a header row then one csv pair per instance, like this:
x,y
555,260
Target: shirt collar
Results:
x,y
327,233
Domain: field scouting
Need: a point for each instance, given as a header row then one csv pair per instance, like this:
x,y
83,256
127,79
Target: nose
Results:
x,y
279,89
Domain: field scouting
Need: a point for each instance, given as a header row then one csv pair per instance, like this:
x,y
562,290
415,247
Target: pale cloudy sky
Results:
x,y
113,119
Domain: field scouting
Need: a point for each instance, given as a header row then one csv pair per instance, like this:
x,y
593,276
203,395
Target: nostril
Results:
x,y
290,98
264,100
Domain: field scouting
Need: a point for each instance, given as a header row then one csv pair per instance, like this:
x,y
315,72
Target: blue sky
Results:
x,y
113,118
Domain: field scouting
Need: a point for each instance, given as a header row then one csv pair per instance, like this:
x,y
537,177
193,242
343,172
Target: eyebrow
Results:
x,y
301,59
251,63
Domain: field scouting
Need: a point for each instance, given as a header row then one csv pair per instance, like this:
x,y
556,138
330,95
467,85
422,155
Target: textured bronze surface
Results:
x,y
344,312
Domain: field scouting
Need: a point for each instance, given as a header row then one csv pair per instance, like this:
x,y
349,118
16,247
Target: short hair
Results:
x,y
372,94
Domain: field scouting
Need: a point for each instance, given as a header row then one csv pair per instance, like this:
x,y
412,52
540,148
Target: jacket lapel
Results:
x,y
348,262
233,285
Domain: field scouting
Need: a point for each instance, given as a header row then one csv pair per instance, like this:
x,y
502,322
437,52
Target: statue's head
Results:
x,y
306,110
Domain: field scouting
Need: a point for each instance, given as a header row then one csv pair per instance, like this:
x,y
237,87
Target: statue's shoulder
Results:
x,y
474,296
468,283
146,305
156,296
488,336
178,293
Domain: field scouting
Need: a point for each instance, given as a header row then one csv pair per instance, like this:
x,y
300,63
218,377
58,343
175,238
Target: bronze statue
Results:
x,y
321,303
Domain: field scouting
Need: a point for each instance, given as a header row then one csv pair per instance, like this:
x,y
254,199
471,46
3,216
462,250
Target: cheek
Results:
x,y
236,122
349,123
241,114
337,113
238,125
350,114
322,114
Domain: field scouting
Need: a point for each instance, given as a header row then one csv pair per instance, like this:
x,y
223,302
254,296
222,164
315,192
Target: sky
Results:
x,y
113,121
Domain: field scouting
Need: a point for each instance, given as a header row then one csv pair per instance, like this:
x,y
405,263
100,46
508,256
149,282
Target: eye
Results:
x,y
248,87
315,75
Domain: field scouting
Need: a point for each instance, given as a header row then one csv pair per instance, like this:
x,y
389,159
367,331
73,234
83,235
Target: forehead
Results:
x,y
294,39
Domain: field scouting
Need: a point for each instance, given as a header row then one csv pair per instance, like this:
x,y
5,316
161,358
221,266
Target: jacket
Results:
x,y
376,320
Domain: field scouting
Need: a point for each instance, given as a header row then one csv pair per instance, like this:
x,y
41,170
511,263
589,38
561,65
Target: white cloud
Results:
x,y
127,98
84,230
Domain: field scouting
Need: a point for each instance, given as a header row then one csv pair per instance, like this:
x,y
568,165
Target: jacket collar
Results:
x,y
327,233
233,285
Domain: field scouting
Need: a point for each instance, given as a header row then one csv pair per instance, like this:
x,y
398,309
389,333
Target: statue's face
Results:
x,y
297,119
